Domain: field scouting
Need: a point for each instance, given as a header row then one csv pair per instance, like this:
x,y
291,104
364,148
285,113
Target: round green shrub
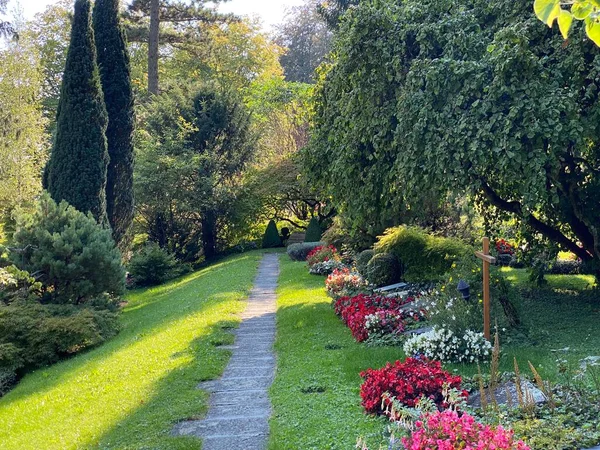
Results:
x,y
423,257
271,238
383,269
313,231
72,256
299,252
152,265
363,259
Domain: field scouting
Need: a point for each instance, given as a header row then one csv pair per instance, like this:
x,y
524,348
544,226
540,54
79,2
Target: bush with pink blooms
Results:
x,y
449,430
344,282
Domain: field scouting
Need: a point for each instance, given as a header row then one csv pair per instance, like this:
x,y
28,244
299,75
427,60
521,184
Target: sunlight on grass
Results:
x,y
578,282
316,352
129,392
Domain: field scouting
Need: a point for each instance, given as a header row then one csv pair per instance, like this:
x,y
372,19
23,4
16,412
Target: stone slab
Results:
x,y
391,287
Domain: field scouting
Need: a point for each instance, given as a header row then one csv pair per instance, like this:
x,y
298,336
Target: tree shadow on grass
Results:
x,y
187,296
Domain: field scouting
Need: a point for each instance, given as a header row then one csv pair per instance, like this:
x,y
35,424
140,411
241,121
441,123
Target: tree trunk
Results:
x,y
153,47
209,234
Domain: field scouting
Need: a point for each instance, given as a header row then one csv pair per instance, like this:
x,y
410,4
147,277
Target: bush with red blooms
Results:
x,y
449,430
407,382
342,282
322,254
503,247
354,310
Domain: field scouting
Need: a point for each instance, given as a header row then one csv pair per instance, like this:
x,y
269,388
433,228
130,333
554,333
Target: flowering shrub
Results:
x,y
322,254
326,267
383,323
445,345
343,282
407,382
355,310
449,430
503,247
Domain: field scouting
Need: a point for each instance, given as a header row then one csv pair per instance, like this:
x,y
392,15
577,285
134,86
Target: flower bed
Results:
x,y
374,316
406,382
344,282
444,345
322,254
448,430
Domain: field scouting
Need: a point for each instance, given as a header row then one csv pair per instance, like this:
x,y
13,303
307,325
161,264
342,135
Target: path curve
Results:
x,y
238,416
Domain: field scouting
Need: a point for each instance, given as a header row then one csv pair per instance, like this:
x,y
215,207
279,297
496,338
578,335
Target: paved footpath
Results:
x,y
238,416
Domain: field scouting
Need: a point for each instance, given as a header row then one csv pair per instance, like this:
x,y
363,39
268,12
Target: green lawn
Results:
x,y
128,393
305,418
309,361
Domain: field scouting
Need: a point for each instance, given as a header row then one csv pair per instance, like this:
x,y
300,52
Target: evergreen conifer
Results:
x,y
313,231
115,76
271,237
76,171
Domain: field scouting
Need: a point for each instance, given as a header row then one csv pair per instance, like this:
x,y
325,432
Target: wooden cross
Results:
x,y
487,260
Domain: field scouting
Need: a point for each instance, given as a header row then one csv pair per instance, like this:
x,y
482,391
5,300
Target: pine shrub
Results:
x,y
73,257
271,237
153,265
313,231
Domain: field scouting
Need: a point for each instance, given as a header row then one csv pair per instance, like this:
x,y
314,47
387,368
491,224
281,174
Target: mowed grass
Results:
x,y
315,395
128,393
559,323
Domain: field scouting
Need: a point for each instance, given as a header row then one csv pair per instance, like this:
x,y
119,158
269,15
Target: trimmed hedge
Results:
x,y
299,252
271,238
383,269
363,259
423,257
313,231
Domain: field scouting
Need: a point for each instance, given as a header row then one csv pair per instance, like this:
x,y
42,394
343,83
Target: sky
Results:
x,y
270,11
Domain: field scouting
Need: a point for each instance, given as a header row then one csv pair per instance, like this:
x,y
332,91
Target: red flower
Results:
x,y
406,381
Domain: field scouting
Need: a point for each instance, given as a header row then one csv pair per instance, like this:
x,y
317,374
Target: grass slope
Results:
x,y
128,393
316,352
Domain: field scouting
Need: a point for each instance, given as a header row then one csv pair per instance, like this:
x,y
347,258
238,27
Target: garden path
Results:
x,y
238,416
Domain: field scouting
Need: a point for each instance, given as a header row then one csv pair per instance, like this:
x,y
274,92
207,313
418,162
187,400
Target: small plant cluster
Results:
x,y
374,317
326,267
299,251
503,247
406,382
344,282
449,429
322,253
444,345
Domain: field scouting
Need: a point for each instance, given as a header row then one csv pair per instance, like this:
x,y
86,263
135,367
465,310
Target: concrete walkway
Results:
x,y
238,416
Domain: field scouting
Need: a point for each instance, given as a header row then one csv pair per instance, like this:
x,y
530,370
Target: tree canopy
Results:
x,y
471,96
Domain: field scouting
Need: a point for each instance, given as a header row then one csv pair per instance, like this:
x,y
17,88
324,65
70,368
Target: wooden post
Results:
x,y
487,260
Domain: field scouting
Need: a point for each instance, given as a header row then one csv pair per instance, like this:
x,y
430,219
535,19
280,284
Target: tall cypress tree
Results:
x,y
115,75
76,171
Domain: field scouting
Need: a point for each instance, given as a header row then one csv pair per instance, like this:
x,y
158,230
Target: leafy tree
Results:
x,y
22,139
586,10
180,25
332,10
193,149
50,33
307,39
76,171
115,76
74,258
271,237
427,96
